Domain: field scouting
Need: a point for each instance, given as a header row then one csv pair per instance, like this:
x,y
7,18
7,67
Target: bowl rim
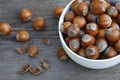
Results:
x,y
61,19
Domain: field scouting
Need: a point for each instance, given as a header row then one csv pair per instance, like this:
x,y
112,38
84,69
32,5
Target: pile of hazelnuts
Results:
x,y
91,28
25,16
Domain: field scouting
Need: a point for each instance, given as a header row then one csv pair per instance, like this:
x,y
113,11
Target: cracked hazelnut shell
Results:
x,y
36,70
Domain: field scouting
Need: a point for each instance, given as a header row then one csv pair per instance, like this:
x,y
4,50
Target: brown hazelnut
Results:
x,y
102,44
22,36
69,16
117,45
74,4
101,33
115,25
98,7
62,54
88,2
117,5
73,30
92,29
74,44
112,12
58,11
39,24
104,21
65,26
87,40
110,52
81,52
91,17
5,28
81,9
36,70
118,18
25,68
80,20
112,34
67,39
25,14
92,52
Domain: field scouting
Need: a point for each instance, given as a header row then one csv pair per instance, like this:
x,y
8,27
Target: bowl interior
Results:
x,y
61,20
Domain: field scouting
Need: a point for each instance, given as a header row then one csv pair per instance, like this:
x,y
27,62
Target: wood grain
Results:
x,y
10,61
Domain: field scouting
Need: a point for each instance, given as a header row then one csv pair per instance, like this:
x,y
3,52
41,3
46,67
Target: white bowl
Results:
x,y
89,63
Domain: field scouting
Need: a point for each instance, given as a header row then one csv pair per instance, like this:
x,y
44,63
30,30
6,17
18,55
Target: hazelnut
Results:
x,y
117,45
67,39
69,16
80,20
81,9
74,4
118,18
25,14
87,40
36,70
112,12
92,52
115,25
62,54
45,63
88,2
25,68
81,52
98,7
92,29
117,5
101,43
91,17
112,34
104,21
5,28
65,26
58,11
33,51
22,36
74,44
73,30
101,33
110,52
39,24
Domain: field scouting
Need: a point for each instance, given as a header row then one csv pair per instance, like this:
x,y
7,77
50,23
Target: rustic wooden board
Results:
x,y
10,61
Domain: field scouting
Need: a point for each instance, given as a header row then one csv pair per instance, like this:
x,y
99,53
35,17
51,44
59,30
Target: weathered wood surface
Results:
x,y
10,61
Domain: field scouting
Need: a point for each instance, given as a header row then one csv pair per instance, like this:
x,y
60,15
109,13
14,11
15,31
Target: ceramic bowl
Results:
x,y
88,63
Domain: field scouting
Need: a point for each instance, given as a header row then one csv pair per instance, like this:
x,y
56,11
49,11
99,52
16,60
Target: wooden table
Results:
x,y
10,61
